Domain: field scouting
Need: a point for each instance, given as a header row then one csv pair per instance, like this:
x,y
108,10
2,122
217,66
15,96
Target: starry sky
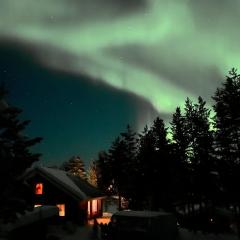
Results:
x,y
82,70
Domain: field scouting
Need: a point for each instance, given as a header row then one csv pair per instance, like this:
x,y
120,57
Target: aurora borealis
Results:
x,y
160,51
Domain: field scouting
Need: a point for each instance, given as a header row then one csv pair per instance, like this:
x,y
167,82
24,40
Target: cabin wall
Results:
x,y
94,208
51,195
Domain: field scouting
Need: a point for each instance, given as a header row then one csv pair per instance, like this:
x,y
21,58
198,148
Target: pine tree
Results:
x,y
146,159
92,174
75,166
200,150
16,158
179,136
180,143
129,139
120,164
162,171
227,135
118,167
104,173
129,145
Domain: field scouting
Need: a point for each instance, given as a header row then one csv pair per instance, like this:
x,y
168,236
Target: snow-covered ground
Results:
x,y
184,234
71,231
74,232
87,233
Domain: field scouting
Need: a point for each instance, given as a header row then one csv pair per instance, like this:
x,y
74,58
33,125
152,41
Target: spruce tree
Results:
x,y
118,164
200,150
104,173
146,159
121,164
130,167
92,173
180,143
75,166
162,167
16,158
227,135
179,135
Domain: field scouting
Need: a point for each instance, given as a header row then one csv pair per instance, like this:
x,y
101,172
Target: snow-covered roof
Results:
x,y
87,188
75,186
61,177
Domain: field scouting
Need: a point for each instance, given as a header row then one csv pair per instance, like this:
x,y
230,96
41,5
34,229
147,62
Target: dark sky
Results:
x,y
74,116
82,70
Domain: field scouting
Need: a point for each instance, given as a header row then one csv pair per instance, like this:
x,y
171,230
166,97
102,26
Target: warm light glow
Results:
x,y
94,206
61,208
39,189
103,220
89,208
37,205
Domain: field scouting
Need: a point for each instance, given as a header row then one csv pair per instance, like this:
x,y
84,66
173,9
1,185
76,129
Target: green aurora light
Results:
x,y
162,51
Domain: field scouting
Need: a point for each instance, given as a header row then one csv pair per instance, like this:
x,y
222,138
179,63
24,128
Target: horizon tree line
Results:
x,y
198,165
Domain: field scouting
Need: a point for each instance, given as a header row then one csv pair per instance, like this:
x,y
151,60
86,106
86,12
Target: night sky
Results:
x,y
82,70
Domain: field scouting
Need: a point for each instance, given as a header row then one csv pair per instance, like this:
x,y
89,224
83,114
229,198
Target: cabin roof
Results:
x,y
70,184
89,190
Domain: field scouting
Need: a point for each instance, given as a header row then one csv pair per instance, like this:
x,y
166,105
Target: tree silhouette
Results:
x,y
146,159
200,151
75,166
227,135
92,174
162,171
104,174
129,145
116,169
180,143
198,166
16,158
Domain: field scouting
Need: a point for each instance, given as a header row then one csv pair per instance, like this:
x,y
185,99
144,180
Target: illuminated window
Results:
x,y
61,208
94,206
89,208
37,205
39,189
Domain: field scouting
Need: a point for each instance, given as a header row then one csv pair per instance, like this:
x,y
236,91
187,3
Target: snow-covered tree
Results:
x,y
75,166
92,174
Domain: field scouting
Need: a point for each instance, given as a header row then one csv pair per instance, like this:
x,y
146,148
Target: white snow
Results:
x,y
87,233
29,217
184,234
59,176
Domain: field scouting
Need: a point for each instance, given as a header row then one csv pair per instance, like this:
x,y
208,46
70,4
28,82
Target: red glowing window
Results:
x,y
61,208
39,189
